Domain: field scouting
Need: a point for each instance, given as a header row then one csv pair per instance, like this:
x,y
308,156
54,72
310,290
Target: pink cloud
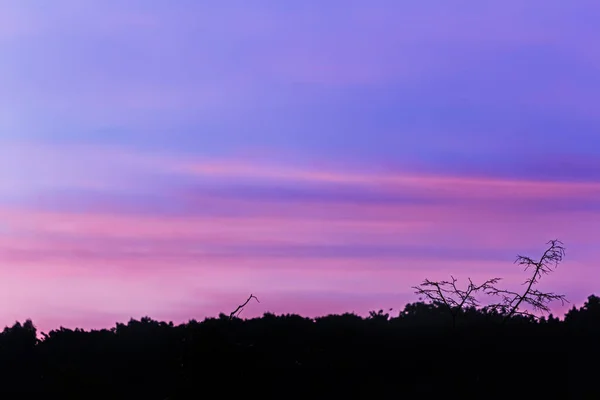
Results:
x,y
462,186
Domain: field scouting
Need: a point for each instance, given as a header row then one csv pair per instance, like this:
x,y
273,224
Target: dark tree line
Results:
x,y
451,345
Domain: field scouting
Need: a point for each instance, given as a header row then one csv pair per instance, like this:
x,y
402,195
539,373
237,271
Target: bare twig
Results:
x,y
240,308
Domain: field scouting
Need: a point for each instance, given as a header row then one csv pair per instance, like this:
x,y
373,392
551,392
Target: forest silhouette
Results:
x,y
448,345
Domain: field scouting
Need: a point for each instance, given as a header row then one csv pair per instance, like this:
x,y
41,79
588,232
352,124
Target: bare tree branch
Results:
x,y
240,308
448,294
455,299
539,301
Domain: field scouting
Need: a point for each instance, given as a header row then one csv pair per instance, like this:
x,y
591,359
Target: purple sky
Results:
x,y
168,158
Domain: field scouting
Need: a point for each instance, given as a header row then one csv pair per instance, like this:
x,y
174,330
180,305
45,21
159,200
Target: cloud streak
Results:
x,y
243,224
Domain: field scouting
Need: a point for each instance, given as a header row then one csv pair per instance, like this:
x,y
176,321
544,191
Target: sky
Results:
x,y
170,157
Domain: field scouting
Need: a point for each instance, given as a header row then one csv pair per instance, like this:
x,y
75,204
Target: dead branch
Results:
x,y
240,308
448,294
455,299
539,301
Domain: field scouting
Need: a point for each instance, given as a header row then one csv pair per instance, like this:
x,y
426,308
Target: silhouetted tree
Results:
x,y
379,315
512,301
587,317
452,297
448,294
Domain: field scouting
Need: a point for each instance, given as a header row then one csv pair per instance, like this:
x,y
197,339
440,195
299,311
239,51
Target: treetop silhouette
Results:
x,y
456,300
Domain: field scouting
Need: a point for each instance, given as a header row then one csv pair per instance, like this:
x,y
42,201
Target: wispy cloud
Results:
x,y
447,184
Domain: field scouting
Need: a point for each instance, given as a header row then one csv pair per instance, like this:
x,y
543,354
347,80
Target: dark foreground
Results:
x,y
418,354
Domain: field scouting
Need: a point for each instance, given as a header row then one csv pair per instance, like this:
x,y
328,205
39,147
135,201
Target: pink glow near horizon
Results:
x,y
123,263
